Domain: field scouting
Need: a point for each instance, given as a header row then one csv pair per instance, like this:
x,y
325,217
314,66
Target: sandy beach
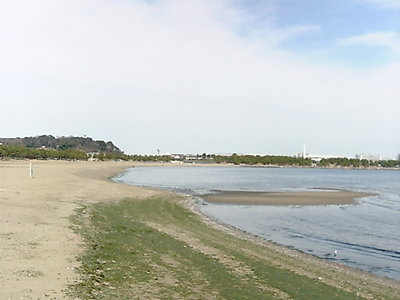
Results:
x,y
317,197
38,247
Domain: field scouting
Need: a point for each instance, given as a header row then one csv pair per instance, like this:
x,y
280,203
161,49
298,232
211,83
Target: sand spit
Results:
x,y
317,197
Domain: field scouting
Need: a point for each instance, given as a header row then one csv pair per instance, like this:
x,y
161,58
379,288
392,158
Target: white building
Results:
x,y
371,157
316,157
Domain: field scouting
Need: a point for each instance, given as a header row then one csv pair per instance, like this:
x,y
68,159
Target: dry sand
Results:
x,y
316,197
37,246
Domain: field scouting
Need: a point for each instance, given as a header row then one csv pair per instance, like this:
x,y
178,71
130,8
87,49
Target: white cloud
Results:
x,y
390,40
176,75
387,3
273,37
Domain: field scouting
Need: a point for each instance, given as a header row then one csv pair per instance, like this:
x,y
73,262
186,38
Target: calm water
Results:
x,y
366,236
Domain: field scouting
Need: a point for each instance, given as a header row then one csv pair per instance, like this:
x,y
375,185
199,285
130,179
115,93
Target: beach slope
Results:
x,y
38,248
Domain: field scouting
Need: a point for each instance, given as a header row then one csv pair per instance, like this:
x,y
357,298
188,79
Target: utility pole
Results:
x,y
31,170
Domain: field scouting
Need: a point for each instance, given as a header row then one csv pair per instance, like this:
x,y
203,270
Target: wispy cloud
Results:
x,y
389,40
283,34
387,3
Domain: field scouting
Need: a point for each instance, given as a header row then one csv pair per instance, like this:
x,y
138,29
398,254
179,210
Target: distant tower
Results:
x,y
158,152
304,151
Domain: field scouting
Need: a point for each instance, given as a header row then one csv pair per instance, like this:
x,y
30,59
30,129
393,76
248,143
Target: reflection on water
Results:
x,y
365,236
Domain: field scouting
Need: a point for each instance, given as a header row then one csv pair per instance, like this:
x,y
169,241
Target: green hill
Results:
x,y
85,144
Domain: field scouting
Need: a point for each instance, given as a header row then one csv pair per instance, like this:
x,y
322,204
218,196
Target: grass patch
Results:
x,y
156,249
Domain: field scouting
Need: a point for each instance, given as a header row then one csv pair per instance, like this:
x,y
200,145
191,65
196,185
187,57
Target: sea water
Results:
x,y
365,236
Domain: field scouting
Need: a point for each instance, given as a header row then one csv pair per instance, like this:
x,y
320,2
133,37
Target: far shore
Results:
x,y
317,197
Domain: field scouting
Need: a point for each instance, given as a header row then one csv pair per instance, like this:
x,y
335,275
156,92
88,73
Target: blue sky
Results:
x,y
325,23
198,76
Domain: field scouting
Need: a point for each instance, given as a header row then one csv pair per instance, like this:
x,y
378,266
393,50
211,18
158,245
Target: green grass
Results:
x,y
156,249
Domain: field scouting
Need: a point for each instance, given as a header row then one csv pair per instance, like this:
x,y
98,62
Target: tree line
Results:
x,y
135,157
263,160
276,160
358,163
23,152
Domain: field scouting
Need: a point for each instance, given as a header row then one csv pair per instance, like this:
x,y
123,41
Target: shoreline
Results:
x,y
317,196
191,203
38,248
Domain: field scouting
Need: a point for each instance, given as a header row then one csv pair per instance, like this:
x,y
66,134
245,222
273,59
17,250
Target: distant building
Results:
x,y
223,154
370,157
193,157
319,157
177,156
92,156
315,157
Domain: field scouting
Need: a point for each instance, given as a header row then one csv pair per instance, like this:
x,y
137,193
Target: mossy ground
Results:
x,y
157,249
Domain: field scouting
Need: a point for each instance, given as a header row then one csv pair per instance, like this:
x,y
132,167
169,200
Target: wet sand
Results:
x,y
317,197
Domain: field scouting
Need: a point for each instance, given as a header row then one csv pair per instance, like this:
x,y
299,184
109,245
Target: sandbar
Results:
x,y
316,197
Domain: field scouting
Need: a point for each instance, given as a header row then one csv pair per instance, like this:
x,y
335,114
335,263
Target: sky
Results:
x,y
194,76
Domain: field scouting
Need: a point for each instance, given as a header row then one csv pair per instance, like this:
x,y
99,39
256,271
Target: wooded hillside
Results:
x,y
85,144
